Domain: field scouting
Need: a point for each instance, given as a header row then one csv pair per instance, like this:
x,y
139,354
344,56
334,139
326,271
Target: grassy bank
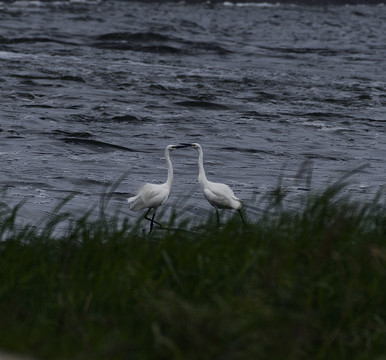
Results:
x,y
306,284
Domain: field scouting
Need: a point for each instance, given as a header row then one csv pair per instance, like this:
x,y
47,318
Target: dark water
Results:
x,y
90,90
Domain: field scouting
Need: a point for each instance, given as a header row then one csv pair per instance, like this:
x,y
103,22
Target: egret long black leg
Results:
x,y
241,215
218,217
152,221
145,216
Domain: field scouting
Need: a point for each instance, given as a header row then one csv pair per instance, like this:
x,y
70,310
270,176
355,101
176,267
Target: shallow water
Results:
x,y
92,91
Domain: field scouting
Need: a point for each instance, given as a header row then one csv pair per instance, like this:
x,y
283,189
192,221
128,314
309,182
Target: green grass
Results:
x,y
305,284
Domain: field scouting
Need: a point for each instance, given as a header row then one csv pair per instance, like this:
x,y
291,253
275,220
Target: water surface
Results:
x,y
93,90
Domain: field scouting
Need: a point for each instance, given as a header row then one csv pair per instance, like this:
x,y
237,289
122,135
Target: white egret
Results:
x,y
219,195
152,196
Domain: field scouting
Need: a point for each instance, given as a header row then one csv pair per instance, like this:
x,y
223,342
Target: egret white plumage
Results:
x,y
151,196
219,195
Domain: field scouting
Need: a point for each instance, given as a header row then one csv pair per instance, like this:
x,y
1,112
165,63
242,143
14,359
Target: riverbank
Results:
x,y
310,280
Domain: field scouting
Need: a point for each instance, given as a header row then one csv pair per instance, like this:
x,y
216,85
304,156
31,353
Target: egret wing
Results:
x,y
155,195
221,196
216,199
136,203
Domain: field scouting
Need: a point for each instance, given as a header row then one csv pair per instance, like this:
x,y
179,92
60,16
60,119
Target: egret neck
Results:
x,y
201,172
169,181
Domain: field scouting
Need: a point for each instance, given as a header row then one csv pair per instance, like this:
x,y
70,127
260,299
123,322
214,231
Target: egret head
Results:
x,y
170,147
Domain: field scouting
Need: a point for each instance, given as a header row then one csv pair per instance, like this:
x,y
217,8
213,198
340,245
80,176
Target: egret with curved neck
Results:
x,y
151,196
219,195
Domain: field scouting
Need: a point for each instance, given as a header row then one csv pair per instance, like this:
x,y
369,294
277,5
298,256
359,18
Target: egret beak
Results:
x,y
182,146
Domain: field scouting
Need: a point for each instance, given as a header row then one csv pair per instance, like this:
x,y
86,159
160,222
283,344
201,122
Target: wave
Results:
x,y
254,4
96,145
21,40
202,104
155,42
302,2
